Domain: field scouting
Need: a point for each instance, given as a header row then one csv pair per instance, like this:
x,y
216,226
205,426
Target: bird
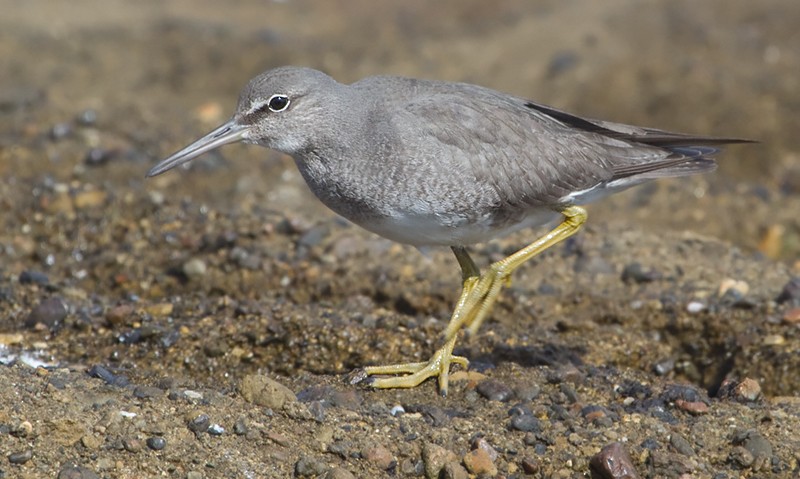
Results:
x,y
435,163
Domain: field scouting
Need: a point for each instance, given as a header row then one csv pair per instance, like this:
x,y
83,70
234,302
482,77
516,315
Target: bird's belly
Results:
x,y
439,230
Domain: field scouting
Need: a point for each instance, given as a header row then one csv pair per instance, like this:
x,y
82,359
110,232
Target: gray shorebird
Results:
x,y
431,163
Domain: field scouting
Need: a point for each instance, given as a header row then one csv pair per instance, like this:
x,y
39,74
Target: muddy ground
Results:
x,y
143,322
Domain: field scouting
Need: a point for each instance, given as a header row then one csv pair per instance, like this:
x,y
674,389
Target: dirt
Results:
x,y
206,323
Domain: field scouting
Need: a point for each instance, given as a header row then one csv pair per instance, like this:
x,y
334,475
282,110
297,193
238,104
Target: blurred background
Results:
x,y
93,92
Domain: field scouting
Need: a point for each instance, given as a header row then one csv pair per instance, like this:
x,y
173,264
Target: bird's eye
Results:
x,y
278,103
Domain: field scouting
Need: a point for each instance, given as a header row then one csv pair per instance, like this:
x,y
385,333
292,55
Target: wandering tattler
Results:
x,y
432,163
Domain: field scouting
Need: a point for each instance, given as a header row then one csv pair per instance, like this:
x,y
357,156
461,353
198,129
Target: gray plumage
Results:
x,y
438,163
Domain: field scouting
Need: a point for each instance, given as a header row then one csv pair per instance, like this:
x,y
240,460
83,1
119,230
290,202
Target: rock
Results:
x,y
636,273
308,466
89,199
49,313
20,457
195,268
790,292
530,465
338,473
681,444
72,471
159,310
479,462
156,443
757,445
746,391
434,458
525,423
379,456
266,392
454,470
495,390
30,276
119,315
613,462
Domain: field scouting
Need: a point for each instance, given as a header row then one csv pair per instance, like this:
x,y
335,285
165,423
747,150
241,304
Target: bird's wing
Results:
x,y
532,155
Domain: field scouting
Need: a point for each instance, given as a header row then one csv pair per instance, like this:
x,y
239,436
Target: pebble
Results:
x,y
72,471
681,444
98,156
20,457
49,313
757,445
454,470
434,458
613,462
636,273
695,307
338,473
119,315
216,430
308,466
746,391
31,276
199,423
378,455
156,443
530,465
479,462
110,378
89,199
132,444
195,268
525,423
792,316
264,391
790,292
495,390
733,287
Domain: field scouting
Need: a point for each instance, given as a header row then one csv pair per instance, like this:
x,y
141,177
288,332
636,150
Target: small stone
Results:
x,y
89,199
735,288
91,441
746,391
530,465
195,268
308,466
30,276
20,457
379,456
159,310
156,443
479,462
525,423
263,391
338,473
792,316
681,444
495,390
119,315
454,470
695,307
73,471
49,313
131,444
692,407
87,117
434,458
636,273
742,456
613,462
216,430
199,423
790,292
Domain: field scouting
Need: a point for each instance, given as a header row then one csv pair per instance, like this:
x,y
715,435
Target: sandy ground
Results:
x,y
204,323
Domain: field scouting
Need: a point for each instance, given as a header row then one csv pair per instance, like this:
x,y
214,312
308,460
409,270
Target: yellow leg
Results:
x,y
478,295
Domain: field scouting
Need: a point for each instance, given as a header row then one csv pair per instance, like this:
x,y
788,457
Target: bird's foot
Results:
x,y
413,374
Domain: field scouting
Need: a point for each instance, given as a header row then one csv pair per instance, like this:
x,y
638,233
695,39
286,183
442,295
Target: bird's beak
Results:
x,y
229,132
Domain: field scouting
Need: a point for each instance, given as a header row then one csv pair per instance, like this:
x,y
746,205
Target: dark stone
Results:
x,y
495,390
30,276
156,443
612,462
50,313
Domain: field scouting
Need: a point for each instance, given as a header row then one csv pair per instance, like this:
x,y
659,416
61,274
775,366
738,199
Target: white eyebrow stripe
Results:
x,y
256,105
